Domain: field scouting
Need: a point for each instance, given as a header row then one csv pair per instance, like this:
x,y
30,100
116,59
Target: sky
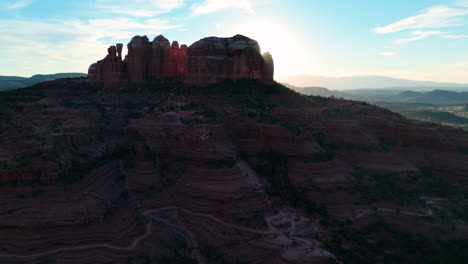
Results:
x,y
411,39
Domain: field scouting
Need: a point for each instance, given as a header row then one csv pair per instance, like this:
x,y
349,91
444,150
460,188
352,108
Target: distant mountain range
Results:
x,y
368,82
390,95
14,82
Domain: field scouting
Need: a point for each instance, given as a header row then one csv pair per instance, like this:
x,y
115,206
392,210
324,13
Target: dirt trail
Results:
x,y
130,247
371,211
217,220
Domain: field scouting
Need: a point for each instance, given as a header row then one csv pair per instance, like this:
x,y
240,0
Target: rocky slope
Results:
x,y
237,172
207,61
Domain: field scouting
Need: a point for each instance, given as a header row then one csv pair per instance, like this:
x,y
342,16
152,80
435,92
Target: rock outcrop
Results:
x,y
110,70
138,58
207,61
211,60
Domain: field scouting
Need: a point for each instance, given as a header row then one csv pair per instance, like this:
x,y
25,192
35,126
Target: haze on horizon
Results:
x,y
423,40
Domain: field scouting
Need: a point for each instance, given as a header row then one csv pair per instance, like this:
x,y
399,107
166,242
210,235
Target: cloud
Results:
x,y
19,4
418,35
435,17
212,6
134,7
29,47
387,53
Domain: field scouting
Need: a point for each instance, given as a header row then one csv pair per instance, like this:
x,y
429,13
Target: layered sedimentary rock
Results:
x,y
207,61
91,175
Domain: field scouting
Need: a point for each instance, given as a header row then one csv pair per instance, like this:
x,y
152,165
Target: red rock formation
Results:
x,y
207,61
211,60
181,61
119,51
173,59
269,67
160,57
110,70
138,58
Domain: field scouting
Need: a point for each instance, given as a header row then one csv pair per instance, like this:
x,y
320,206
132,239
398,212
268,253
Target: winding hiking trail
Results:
x,y
130,247
213,218
149,214
137,240
371,211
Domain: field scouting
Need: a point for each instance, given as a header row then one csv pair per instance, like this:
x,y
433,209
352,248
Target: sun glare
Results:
x,y
279,40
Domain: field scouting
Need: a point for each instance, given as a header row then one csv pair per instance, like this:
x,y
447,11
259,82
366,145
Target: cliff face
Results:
x,y
207,61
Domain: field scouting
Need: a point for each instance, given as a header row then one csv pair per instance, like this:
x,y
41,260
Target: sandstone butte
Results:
x,y
207,61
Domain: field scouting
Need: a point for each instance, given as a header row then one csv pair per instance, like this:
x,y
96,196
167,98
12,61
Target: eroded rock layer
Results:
x,y
207,61
188,176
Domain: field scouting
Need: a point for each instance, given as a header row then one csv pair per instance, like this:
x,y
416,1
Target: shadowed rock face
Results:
x,y
207,61
211,60
110,70
221,175
138,59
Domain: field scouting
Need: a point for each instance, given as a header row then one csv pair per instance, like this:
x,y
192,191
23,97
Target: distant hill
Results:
x,y
367,82
324,92
433,97
435,116
389,95
14,82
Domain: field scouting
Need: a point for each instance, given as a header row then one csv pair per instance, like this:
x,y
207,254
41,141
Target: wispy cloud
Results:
x,y
435,17
211,6
428,23
387,53
418,35
134,7
20,4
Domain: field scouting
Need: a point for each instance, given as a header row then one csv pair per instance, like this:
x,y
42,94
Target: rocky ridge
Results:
x,y
206,61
